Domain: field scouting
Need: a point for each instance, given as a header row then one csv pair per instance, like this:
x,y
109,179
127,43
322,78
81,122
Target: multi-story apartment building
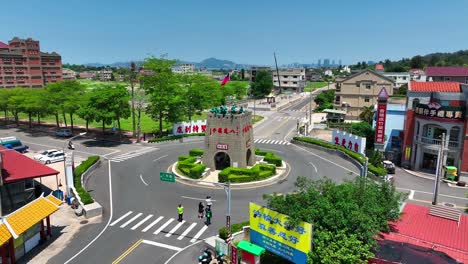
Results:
x,y
448,74
89,75
359,90
399,78
105,74
183,68
433,109
255,70
22,64
290,79
68,74
313,75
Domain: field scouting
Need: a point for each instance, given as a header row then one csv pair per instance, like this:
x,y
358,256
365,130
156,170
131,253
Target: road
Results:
x,y
139,217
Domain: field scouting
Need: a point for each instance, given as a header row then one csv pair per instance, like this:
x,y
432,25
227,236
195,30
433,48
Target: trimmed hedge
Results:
x,y
196,152
271,158
379,171
188,167
175,137
239,175
84,195
222,232
260,152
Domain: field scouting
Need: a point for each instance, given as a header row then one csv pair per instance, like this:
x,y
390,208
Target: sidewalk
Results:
x,y
190,253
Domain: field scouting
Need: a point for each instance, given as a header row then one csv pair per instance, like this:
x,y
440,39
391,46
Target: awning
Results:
x,y
4,234
27,216
334,111
251,248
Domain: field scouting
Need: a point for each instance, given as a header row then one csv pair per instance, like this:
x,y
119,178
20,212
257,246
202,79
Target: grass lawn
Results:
x,y
256,119
93,84
314,85
147,124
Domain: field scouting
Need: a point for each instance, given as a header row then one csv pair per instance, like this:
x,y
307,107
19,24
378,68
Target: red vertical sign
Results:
x,y
233,254
380,123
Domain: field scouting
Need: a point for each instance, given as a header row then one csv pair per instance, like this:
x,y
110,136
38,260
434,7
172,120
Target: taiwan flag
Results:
x,y
226,79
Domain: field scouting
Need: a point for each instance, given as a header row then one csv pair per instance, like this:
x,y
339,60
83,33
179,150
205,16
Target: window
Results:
x,y
285,82
358,84
294,82
337,99
446,79
295,76
366,99
415,103
404,78
368,86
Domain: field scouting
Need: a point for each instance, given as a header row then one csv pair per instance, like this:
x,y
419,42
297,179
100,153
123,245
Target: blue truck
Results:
x,y
13,143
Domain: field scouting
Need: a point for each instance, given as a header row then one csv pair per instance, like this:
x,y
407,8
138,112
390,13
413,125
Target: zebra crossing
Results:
x,y
289,117
271,141
132,154
169,226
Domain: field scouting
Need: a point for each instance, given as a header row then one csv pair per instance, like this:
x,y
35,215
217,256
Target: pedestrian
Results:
x,y
201,209
208,216
208,202
180,211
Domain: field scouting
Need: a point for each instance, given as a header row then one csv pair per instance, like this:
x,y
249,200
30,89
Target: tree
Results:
x,y
367,114
346,217
324,100
164,91
417,62
86,110
4,95
364,129
15,102
263,84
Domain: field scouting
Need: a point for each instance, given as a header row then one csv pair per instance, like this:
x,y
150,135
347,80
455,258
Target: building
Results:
x,y
255,70
89,75
328,72
394,127
359,90
183,68
399,78
434,108
291,80
313,75
68,74
105,74
326,63
379,67
417,75
448,74
23,64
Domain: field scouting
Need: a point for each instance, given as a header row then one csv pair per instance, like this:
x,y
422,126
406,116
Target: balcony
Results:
x,y
437,142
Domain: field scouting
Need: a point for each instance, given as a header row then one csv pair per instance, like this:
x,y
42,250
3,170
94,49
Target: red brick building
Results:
x,y
22,64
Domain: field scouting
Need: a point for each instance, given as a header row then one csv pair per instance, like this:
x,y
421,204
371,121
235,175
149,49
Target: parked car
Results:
x,y
389,166
54,157
13,143
44,153
63,132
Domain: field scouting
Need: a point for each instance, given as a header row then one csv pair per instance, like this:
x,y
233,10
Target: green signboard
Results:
x,y
167,177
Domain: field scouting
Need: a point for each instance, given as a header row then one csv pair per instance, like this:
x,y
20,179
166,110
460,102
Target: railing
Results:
x,y
435,141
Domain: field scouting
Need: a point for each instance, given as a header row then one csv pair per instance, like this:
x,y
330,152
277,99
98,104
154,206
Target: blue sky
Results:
x,y
243,31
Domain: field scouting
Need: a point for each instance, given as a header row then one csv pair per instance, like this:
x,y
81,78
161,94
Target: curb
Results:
x,y
245,185
418,175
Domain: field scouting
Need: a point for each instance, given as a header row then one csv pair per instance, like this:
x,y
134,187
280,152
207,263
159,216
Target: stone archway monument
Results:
x,y
228,138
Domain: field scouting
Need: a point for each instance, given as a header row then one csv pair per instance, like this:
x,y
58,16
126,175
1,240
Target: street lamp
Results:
x,y
69,179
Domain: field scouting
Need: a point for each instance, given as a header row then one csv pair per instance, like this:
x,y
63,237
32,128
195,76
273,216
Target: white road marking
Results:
x,y
445,195
163,226
131,220
199,234
55,147
113,152
267,142
159,158
411,195
141,177
314,166
153,243
194,198
187,231
141,222
152,224
120,219
175,228
173,256
275,142
133,154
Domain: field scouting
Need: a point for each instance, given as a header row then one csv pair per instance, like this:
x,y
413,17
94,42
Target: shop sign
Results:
x,y
349,141
380,123
450,112
183,128
222,146
269,229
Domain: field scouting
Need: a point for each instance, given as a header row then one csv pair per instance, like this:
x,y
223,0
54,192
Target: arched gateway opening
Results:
x,y
222,160
248,156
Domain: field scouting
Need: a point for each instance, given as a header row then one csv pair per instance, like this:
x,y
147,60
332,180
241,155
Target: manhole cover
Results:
x,y
84,222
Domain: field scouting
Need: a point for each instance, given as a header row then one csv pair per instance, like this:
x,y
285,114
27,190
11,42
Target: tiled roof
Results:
x,y
4,234
379,67
447,71
419,228
17,167
30,214
54,199
448,87
3,45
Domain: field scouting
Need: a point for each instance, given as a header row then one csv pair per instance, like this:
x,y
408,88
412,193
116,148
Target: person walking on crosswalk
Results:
x,y
180,211
208,216
201,209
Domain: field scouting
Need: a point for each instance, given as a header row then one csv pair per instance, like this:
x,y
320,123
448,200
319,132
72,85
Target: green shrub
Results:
x,y
271,158
234,229
196,171
239,175
379,171
185,157
175,137
84,195
196,152
260,152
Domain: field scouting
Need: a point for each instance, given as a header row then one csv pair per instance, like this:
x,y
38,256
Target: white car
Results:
x,y
54,157
44,153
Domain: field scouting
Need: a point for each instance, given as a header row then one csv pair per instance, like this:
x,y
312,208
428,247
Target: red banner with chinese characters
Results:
x,y
380,123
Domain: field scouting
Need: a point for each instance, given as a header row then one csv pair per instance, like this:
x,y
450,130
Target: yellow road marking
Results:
x,y
128,251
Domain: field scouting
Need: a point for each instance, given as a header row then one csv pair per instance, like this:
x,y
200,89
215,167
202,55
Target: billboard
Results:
x,y
198,126
349,141
380,123
268,229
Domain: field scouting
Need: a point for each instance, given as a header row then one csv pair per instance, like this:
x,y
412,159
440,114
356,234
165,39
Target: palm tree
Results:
x,y
367,114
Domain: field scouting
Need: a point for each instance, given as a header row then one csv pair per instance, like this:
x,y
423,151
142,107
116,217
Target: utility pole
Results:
x,y
441,162
310,107
132,73
277,73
